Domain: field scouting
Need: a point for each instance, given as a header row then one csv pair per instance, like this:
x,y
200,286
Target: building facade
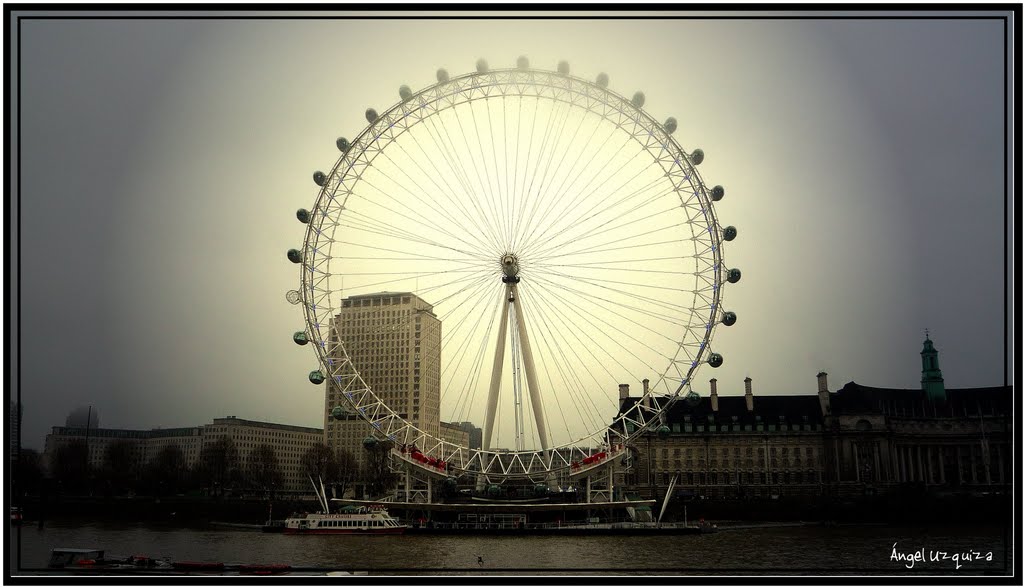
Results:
x,y
394,343
733,447
289,443
856,441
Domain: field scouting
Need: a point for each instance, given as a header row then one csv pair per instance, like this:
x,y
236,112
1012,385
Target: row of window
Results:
x,y
713,452
223,430
351,524
726,463
372,302
743,478
780,427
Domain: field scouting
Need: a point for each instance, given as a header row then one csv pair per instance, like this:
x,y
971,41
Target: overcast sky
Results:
x,y
163,160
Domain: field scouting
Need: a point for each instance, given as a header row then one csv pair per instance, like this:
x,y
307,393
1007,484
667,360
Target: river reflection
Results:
x,y
848,549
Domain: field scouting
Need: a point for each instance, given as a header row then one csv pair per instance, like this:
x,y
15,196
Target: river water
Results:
x,y
776,550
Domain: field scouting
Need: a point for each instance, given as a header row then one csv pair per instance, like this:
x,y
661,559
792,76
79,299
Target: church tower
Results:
x,y
931,376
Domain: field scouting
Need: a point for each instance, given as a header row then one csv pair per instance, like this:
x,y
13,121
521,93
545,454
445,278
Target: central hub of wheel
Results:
x,y
510,268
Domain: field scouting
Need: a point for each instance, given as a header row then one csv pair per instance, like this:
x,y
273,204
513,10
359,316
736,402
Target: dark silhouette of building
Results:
x,y
83,417
858,440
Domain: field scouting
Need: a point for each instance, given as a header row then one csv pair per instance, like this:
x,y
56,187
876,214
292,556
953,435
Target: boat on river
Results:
x,y
363,520
367,519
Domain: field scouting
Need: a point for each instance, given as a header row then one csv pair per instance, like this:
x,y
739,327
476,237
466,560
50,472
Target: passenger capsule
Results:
x,y
729,318
638,99
319,178
300,338
303,215
715,360
316,377
342,144
563,67
442,75
692,398
697,156
481,65
670,125
370,442
664,431
371,115
294,256
405,93
337,412
733,275
729,233
523,63
602,80
717,193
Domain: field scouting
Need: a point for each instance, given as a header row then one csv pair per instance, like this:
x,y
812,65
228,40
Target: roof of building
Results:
x,y
853,398
769,408
379,294
255,423
99,432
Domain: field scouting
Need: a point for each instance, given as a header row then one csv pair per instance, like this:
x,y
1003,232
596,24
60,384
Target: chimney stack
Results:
x,y
749,396
647,385
823,396
623,391
714,394
647,396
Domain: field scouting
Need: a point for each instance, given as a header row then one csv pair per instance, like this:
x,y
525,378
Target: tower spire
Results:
x,y
931,375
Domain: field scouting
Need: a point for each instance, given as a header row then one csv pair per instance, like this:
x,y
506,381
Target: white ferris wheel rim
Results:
x,y
386,128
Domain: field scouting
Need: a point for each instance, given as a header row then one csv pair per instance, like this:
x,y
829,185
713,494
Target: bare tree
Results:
x,y
377,473
120,467
320,463
167,472
219,462
70,466
348,471
264,472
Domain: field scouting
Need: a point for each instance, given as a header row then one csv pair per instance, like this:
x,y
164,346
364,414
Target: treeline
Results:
x,y
220,470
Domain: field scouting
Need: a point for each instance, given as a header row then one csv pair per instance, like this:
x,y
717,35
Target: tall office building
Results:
x,y
14,429
394,342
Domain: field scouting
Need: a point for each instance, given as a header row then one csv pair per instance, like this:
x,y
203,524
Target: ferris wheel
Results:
x,y
508,247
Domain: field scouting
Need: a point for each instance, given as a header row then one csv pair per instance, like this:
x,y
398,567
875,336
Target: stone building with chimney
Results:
x,y
858,440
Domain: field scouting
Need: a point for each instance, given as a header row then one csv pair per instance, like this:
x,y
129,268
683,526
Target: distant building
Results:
x,y
454,434
83,417
14,429
394,342
476,435
859,440
289,443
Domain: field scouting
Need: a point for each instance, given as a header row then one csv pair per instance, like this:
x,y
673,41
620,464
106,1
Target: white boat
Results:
x,y
351,520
